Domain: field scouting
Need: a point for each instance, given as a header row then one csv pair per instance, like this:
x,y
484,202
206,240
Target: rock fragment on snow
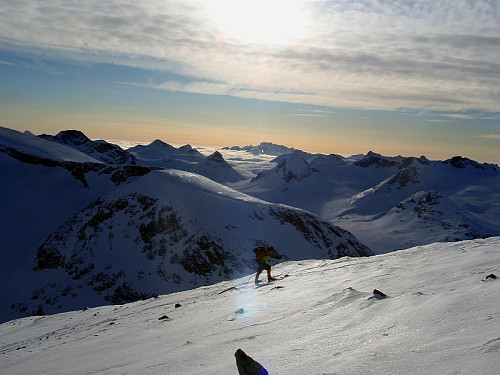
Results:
x,y
164,317
247,365
491,276
377,293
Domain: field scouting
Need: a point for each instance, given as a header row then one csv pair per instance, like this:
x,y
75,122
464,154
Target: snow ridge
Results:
x,y
440,316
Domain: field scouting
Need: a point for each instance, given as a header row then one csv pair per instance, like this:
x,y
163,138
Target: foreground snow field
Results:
x,y
441,316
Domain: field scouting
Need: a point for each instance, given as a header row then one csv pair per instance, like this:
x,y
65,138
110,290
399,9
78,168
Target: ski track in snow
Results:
x,y
440,316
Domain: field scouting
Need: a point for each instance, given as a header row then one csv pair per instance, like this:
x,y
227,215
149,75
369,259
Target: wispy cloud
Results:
x,y
313,113
307,115
3,62
459,116
490,136
373,54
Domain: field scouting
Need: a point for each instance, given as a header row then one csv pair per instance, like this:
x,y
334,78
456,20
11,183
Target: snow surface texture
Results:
x,y
441,316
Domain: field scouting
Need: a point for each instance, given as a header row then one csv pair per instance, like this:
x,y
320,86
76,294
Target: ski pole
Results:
x,y
248,280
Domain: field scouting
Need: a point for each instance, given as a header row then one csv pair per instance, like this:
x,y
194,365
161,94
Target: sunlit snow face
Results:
x,y
277,22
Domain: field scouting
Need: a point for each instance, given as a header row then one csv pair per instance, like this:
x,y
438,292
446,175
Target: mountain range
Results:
x,y
87,222
83,232
371,196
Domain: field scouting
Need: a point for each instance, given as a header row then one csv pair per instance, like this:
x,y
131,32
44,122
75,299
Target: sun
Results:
x,y
273,22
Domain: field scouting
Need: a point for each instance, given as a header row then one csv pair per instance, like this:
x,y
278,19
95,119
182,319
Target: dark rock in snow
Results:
x,y
247,365
491,276
377,293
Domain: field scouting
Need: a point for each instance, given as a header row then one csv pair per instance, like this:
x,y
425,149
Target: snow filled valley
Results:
x,y
138,259
441,316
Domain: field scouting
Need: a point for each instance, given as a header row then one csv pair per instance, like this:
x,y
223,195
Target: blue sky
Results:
x,y
395,77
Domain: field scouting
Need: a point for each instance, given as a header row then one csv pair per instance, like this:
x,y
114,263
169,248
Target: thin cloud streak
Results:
x,y
490,136
376,55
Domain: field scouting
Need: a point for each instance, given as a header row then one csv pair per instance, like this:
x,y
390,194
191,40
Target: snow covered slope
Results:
x,y
460,200
12,140
441,316
166,231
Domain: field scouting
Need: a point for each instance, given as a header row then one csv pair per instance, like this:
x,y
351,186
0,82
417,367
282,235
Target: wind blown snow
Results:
x,y
441,316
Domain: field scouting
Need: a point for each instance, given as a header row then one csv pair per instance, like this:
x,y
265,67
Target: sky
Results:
x,y
396,77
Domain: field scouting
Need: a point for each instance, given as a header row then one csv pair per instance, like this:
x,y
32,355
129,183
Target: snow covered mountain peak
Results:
x,y
327,160
70,137
292,167
444,218
101,150
377,161
188,149
413,161
216,157
267,148
160,143
34,146
460,163
216,168
295,168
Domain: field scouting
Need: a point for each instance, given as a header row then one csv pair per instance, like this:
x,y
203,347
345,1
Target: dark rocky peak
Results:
x,y
430,197
295,167
73,137
267,148
405,176
409,161
216,157
460,162
376,160
327,160
159,143
423,203
373,154
103,147
101,150
188,149
68,137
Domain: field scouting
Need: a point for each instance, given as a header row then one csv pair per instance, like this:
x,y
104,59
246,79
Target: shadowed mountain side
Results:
x,y
167,231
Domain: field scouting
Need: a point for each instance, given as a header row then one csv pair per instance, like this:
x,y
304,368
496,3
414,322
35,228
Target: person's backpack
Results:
x,y
258,249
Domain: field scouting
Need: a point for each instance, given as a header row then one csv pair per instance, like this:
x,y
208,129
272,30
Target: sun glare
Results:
x,y
259,21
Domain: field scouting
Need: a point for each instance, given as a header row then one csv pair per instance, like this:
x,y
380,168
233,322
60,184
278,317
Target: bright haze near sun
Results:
x,y
342,76
279,22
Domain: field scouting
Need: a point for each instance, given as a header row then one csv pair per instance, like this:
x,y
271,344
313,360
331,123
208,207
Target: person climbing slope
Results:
x,y
262,254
